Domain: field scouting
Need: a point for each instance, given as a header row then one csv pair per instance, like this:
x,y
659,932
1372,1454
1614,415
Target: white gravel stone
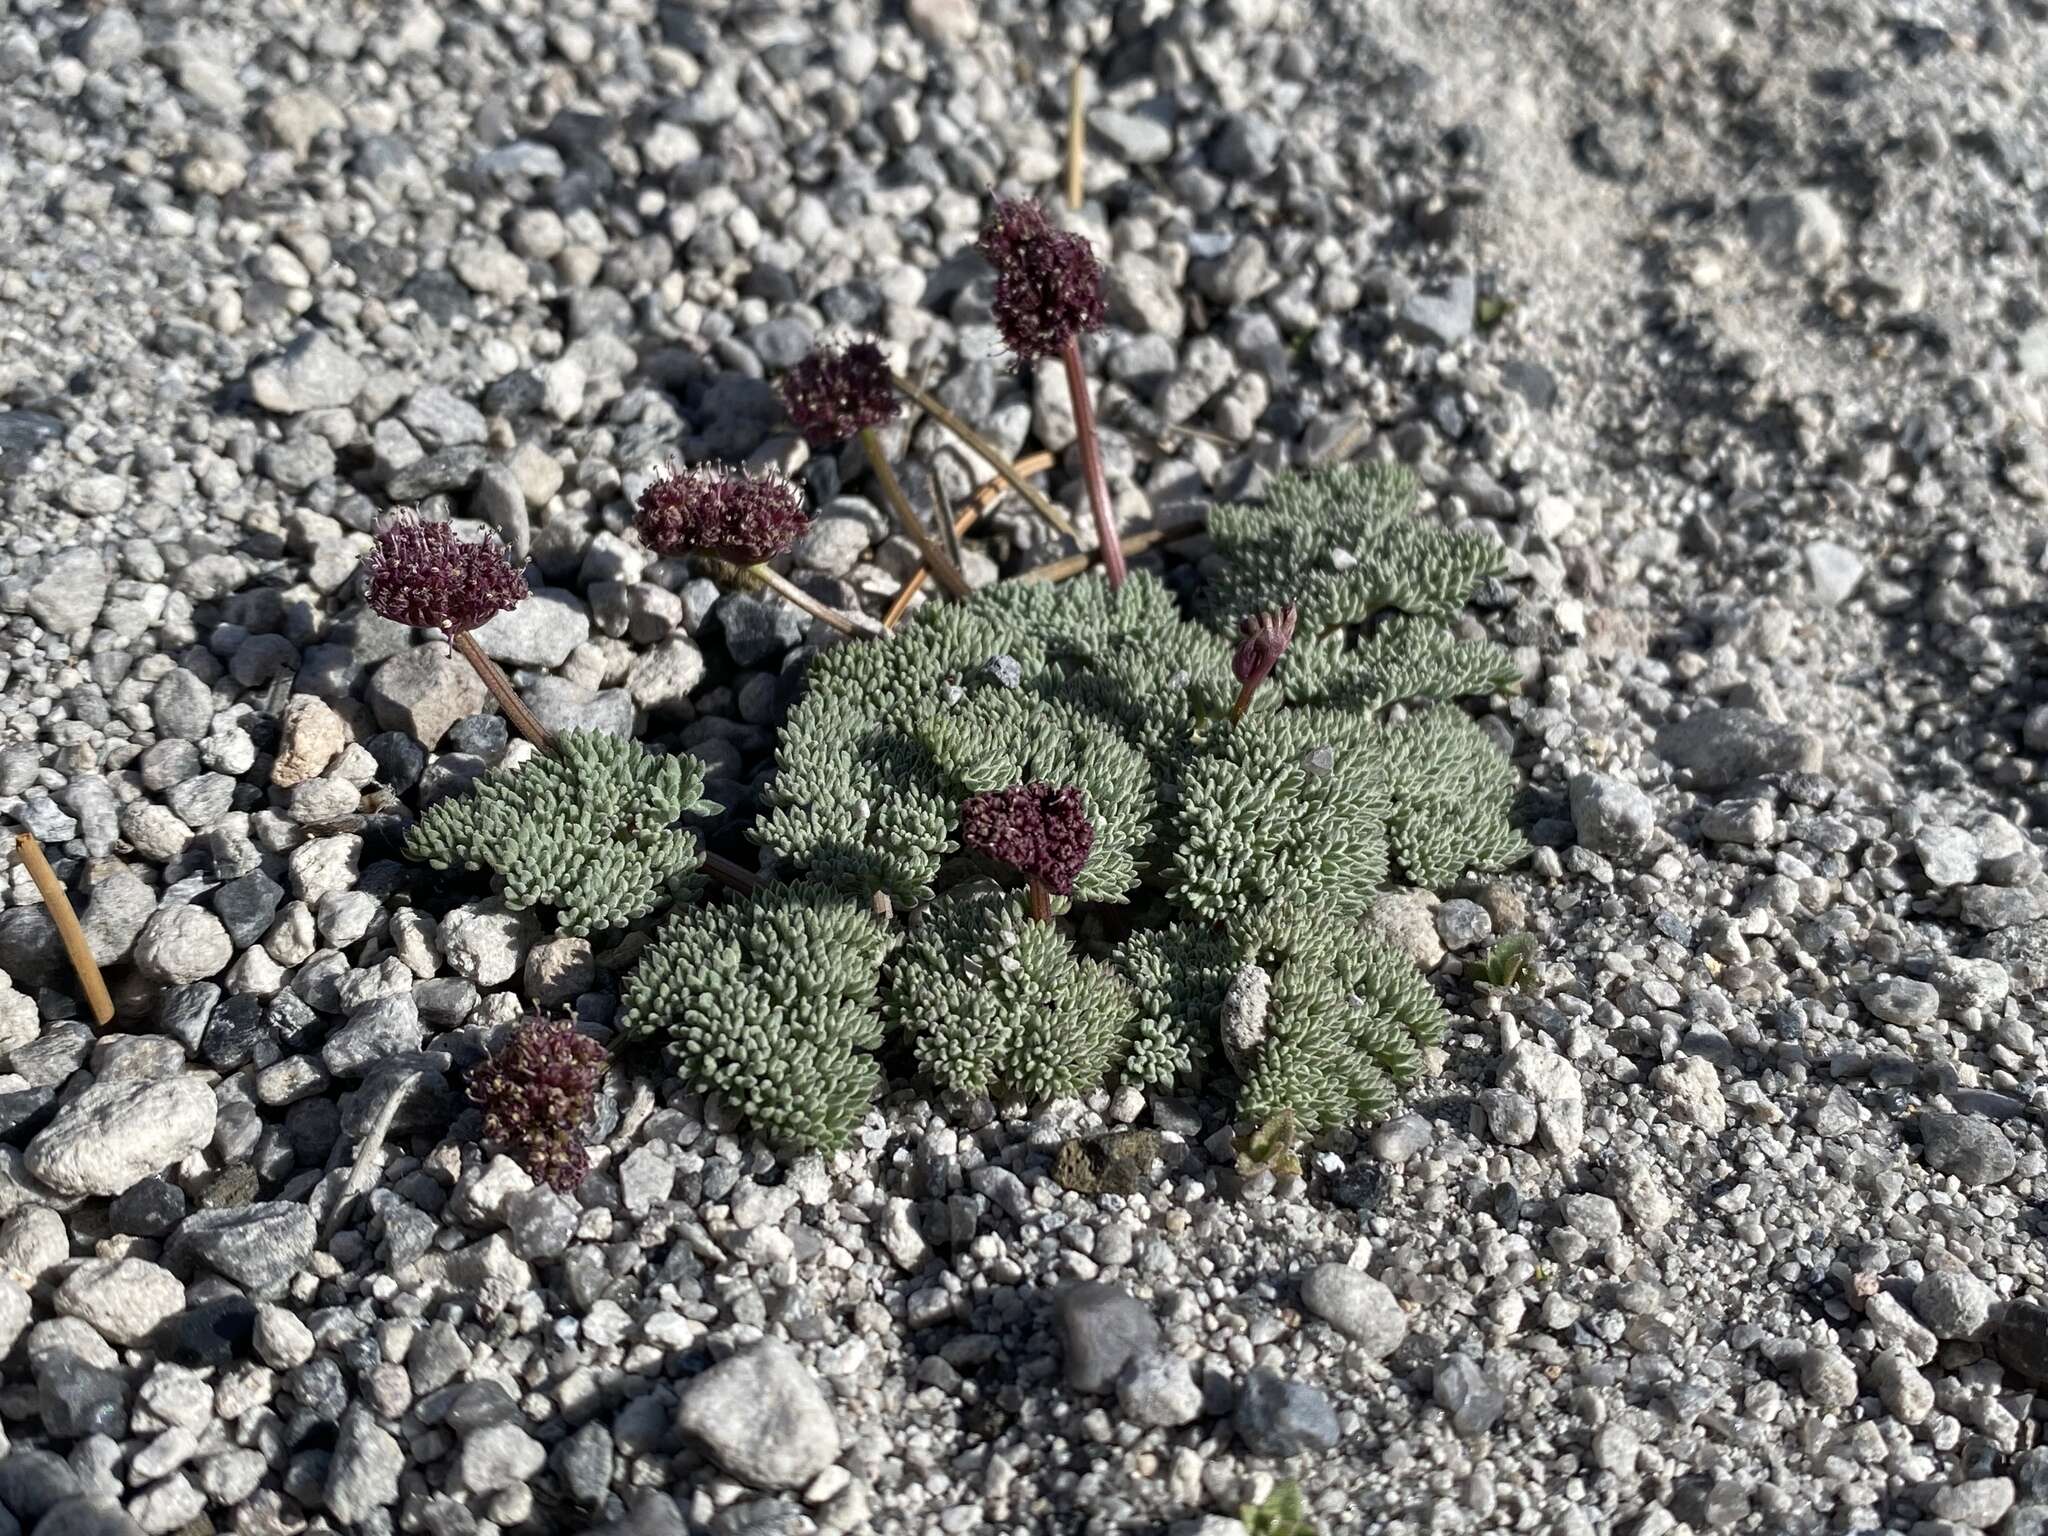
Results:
x,y
113,1134
760,1416
1357,1306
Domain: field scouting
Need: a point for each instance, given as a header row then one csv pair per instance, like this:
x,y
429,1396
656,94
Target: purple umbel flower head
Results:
x,y
721,511
1048,282
837,391
1263,639
423,575
1040,830
537,1095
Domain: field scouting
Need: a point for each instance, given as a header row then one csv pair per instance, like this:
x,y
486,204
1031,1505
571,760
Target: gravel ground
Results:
x,y
1726,318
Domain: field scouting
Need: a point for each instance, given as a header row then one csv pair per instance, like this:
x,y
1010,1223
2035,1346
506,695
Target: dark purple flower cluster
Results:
x,y
1048,282
837,391
717,510
537,1095
1263,639
421,574
1040,830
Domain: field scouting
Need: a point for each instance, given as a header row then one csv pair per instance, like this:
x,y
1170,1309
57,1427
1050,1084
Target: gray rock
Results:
x,y
424,691
944,21
121,905
833,545
70,592
540,632
1613,818
1397,1139
1901,1000
1799,231
87,1516
439,419
179,945
1440,317
259,1247
1977,1504
1136,138
664,676
496,1456
1953,1304
362,1476
446,470
1551,1084
1970,1147
1723,747
2022,1340
486,941
109,40
1357,1306
1143,297
1102,1328
1278,1417
380,1028
1245,146
780,344
182,706
761,1416
584,1463
33,1482
311,374
114,1134
1835,570
759,626
561,705
123,1299
1159,1390
1464,1391
1948,855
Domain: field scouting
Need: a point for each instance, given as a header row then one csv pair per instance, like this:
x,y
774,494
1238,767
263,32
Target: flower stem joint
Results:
x,y
1040,830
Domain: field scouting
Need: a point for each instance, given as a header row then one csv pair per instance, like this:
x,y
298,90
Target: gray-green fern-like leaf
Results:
x,y
590,833
1341,544
770,1003
1346,1019
1453,796
993,1003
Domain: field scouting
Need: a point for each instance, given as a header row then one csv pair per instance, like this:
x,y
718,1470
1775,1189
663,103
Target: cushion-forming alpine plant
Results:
x,y
1199,832
1051,834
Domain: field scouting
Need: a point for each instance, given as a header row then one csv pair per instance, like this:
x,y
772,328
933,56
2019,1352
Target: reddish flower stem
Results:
x,y
1040,899
1244,699
1091,463
522,719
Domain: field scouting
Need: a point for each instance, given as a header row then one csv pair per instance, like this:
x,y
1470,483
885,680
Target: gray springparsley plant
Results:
x,y
1212,923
